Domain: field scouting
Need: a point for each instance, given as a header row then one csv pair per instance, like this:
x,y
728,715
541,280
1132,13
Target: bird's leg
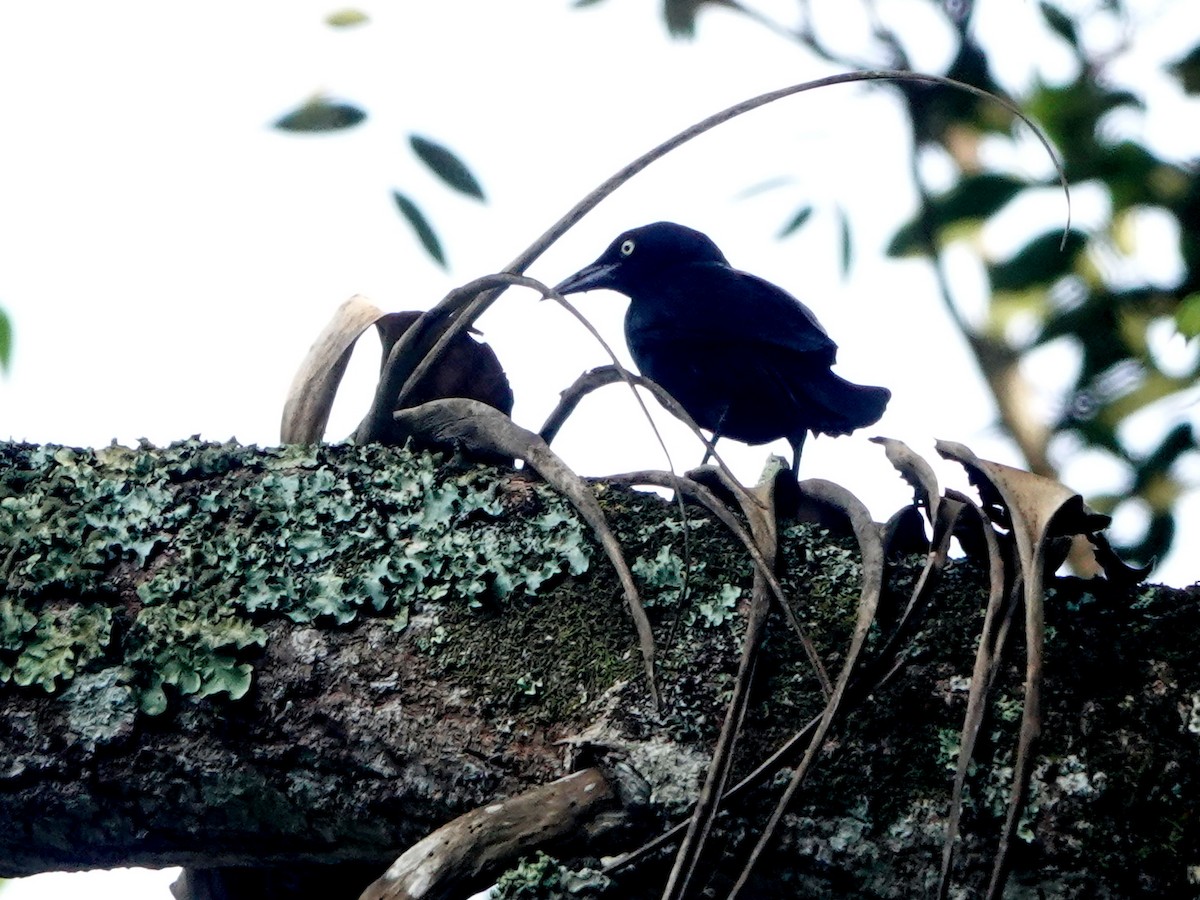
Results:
x,y
797,446
716,436
708,451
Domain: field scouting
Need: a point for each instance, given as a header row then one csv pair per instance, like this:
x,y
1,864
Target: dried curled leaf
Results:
x,y
310,397
1037,509
871,546
763,529
914,469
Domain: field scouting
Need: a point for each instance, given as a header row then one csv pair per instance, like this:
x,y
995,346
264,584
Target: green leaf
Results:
x,y
1061,24
1187,316
909,240
802,215
681,16
320,114
761,187
1040,262
346,18
5,341
1187,70
847,245
421,226
975,197
446,166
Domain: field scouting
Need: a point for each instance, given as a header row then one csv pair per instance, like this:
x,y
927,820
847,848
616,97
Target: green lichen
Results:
x,y
62,641
192,547
545,878
102,707
666,576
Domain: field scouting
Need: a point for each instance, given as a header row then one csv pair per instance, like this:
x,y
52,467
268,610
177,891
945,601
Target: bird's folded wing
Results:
x,y
714,302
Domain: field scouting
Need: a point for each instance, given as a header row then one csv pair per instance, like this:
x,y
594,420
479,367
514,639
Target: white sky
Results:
x,y
168,257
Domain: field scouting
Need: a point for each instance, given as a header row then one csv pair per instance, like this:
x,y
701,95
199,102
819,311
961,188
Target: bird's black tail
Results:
x,y
839,406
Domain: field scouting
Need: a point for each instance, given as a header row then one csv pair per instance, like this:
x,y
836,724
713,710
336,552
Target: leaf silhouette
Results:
x,y
1040,262
802,215
320,114
446,166
847,241
425,233
1187,70
1061,24
975,197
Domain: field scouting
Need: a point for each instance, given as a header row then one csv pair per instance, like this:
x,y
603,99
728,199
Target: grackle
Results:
x,y
744,358
468,368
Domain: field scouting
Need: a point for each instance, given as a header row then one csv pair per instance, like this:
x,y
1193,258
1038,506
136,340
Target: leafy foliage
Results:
x,y
1080,294
321,115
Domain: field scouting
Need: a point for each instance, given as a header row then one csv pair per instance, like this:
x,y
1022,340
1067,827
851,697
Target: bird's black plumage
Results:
x,y
467,368
745,358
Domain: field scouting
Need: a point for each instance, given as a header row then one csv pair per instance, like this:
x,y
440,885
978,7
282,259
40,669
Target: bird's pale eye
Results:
x,y
627,247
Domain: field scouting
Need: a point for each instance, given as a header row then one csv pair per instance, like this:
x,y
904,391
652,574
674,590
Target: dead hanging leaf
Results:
x,y
871,546
569,399
310,397
423,345
914,469
763,530
1115,569
996,628
1036,509
703,494
943,513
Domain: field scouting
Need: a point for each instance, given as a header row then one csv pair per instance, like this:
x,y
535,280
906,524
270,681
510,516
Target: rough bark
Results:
x,y
299,711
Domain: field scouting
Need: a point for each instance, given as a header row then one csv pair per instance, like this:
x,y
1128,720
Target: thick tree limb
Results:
x,y
494,836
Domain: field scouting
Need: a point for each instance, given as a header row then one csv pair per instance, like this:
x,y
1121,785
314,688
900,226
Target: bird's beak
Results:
x,y
597,275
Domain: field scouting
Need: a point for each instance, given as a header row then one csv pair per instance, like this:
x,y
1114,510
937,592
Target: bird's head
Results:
x,y
639,254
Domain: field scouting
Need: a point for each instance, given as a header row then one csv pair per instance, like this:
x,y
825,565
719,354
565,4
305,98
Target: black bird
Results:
x,y
745,358
468,368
